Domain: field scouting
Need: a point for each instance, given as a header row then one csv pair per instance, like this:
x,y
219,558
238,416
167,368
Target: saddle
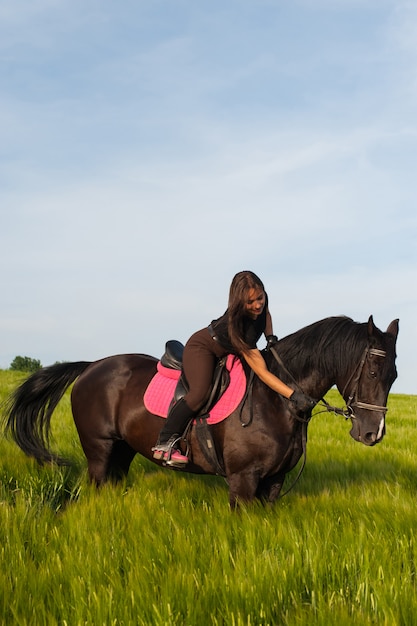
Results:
x,y
172,359
169,385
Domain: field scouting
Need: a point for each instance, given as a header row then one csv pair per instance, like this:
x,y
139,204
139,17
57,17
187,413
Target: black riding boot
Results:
x,y
178,417
166,447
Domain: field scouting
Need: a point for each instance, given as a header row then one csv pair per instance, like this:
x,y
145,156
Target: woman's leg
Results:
x,y
176,422
198,367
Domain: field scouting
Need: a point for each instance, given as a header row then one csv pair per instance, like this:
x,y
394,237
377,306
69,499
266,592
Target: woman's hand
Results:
x,y
302,402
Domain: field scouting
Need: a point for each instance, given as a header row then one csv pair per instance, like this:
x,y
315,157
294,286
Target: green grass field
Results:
x,y
164,549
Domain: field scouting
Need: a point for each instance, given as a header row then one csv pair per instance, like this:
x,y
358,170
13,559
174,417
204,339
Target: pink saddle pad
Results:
x,y
161,390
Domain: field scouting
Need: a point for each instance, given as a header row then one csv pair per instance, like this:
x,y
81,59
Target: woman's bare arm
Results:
x,y
256,362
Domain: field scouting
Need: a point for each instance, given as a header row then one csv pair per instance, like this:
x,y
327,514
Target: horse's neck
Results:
x,y
316,373
311,381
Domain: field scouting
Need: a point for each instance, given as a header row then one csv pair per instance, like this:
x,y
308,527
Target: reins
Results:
x,y
248,396
304,421
304,424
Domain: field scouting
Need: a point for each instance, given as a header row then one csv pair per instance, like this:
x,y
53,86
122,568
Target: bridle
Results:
x,y
353,382
348,412
352,401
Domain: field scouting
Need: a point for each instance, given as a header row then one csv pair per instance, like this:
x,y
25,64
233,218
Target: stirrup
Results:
x,y
170,453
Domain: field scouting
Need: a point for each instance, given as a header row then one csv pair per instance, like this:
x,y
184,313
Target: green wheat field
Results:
x,y
164,548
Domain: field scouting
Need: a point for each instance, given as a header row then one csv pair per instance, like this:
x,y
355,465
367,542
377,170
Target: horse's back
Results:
x,y
117,370
108,383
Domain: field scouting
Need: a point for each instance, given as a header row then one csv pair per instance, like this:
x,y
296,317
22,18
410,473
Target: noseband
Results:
x,y
352,402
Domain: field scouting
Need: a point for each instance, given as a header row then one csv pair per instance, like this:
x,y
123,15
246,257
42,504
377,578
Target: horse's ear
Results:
x,y
371,325
393,328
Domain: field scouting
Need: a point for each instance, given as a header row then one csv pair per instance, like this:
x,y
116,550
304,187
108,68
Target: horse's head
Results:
x,y
366,390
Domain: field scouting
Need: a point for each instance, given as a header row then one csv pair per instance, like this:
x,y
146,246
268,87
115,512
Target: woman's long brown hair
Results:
x,y
238,299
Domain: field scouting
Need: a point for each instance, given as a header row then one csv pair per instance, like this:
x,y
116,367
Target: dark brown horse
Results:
x,y
113,424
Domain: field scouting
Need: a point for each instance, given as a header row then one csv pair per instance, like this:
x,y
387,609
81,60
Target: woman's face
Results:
x,y
255,302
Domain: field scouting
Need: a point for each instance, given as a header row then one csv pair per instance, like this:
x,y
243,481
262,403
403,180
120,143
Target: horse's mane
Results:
x,y
324,345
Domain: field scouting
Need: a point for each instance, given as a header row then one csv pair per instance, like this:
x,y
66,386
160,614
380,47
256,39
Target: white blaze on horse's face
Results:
x,y
381,429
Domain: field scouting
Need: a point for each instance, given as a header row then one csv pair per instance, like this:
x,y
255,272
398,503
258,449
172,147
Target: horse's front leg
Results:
x,y
269,488
242,487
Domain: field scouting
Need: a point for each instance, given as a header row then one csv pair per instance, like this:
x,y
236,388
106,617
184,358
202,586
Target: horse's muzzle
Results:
x,y
366,433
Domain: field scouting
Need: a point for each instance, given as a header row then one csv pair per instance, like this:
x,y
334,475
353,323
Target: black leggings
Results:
x,y
201,353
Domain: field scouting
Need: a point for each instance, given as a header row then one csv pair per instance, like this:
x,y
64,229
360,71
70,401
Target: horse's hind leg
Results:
x,y
98,455
120,459
108,460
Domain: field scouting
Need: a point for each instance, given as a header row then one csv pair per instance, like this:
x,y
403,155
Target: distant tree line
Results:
x,y
25,364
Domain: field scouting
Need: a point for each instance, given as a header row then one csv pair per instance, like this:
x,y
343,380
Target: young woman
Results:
x,y
236,332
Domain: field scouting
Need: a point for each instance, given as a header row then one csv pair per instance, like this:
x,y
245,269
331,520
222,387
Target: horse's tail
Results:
x,y
29,408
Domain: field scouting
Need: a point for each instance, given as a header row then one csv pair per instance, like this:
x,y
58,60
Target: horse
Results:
x,y
114,425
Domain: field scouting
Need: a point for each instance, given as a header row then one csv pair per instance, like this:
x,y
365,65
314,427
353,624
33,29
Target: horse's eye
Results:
x,y
372,373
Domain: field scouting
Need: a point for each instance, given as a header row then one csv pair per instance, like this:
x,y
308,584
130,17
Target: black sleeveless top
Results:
x,y
252,329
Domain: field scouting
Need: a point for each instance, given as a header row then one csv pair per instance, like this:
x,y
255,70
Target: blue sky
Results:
x,y
149,150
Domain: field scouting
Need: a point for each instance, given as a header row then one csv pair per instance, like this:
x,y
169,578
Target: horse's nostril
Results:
x,y
370,438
